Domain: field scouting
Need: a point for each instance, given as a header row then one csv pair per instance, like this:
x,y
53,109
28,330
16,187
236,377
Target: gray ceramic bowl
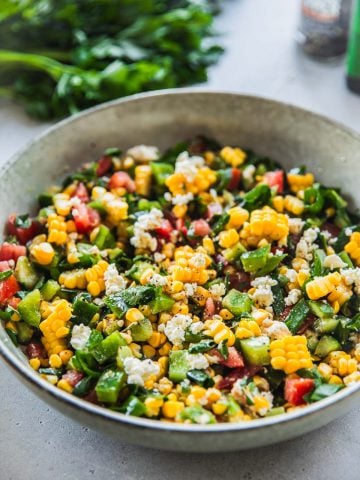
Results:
x,y
289,134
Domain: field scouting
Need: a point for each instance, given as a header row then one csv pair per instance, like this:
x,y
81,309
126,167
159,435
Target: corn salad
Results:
x,y
200,285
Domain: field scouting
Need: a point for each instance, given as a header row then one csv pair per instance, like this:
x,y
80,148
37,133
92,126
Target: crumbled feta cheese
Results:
x,y
157,280
196,327
217,290
147,221
94,250
293,297
295,225
182,199
307,245
327,235
168,196
198,260
263,295
139,371
197,361
269,397
333,261
114,282
248,173
190,289
175,328
79,336
291,275
75,202
188,166
348,231
143,153
159,257
276,330
351,276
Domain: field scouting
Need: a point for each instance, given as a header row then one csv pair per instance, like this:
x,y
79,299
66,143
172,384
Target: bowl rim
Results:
x,y
34,379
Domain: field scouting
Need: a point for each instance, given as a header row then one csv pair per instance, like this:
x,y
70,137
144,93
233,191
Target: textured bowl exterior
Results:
x,y
290,135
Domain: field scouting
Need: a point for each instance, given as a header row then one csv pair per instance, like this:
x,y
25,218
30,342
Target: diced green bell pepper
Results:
x,y
122,353
279,301
24,331
321,309
313,199
49,290
346,326
138,269
104,238
45,199
178,366
197,414
346,259
326,345
326,325
161,302
233,407
297,316
161,171
275,411
84,309
145,205
233,253
109,385
107,348
133,406
141,331
256,259
256,350
237,302
201,378
83,387
256,197
323,391
29,308
318,265
25,273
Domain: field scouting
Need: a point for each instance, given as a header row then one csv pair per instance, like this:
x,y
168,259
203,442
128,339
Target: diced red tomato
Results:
x,y
213,209
180,226
82,193
296,388
234,359
228,381
14,302
4,265
86,218
235,179
34,350
73,377
122,179
104,165
165,229
209,308
11,251
275,179
200,227
23,235
8,288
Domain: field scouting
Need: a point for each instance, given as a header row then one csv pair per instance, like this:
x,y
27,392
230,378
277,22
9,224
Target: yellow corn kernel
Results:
x,y
259,315
219,408
65,385
65,356
299,264
179,211
342,363
228,238
143,180
165,385
322,286
208,244
153,405
62,204
201,295
156,339
353,247
247,329
335,379
35,363
43,253
70,226
238,216
260,403
278,203
325,370
163,363
149,351
133,315
293,205
302,276
73,279
225,314
172,408
352,378
55,361
299,182
233,156
219,332
56,229
165,349
290,353
265,223
180,308
340,295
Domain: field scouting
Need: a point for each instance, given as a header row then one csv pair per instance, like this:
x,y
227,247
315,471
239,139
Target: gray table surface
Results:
x,y
38,442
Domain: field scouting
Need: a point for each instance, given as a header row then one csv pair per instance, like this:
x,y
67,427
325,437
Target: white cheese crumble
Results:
x,y
334,261
293,297
269,397
348,232
143,153
217,290
182,199
276,330
175,328
351,276
147,221
307,245
295,225
157,280
291,275
188,166
139,371
197,361
79,336
248,173
159,257
263,295
190,289
196,327
113,280
198,260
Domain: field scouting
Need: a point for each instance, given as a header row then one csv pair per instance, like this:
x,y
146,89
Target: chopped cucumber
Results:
x,y
25,273
107,348
237,302
256,350
49,290
326,345
29,308
321,309
142,330
178,366
109,385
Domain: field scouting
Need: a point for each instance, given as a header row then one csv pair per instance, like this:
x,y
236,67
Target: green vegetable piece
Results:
x,y
98,206
317,268
346,326
145,205
104,238
219,222
324,391
201,378
203,346
6,274
256,197
83,387
326,325
109,385
313,199
107,348
255,260
45,199
133,406
275,411
297,316
49,290
161,302
271,263
233,407
345,258
178,366
83,309
25,273
197,414
123,352
161,171
29,308
279,301
24,331
233,253
321,309
326,345
142,330
237,302
13,336
256,350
